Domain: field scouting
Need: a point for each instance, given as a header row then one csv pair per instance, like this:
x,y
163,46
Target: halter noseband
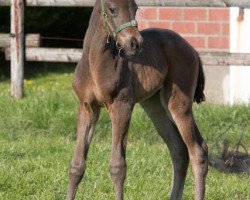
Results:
x,y
118,29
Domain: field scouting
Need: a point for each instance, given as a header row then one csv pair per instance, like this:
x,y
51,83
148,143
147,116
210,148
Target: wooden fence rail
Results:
x,y
175,3
74,55
31,40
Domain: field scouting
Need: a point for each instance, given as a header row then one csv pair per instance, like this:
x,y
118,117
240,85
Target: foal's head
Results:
x,y
119,17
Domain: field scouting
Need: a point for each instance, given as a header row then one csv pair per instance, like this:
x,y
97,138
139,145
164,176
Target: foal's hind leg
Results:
x,y
87,118
179,104
168,131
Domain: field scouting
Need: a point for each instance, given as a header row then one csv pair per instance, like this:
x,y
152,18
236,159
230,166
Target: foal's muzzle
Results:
x,y
133,46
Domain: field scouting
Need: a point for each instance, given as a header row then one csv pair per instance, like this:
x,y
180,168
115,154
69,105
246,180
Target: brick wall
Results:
x,y
205,28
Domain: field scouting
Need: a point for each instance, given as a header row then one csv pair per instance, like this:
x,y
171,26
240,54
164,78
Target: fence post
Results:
x,y
17,48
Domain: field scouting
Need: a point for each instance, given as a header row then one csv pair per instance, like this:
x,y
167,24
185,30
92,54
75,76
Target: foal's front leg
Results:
x,y
87,118
120,114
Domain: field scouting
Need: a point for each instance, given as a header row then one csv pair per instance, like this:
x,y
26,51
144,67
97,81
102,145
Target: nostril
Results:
x,y
134,44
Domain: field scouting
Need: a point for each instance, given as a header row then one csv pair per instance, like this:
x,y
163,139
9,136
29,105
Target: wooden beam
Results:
x,y
17,47
56,3
174,3
74,55
50,54
225,59
31,40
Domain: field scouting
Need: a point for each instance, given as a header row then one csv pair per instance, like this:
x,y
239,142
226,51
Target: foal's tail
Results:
x,y
199,94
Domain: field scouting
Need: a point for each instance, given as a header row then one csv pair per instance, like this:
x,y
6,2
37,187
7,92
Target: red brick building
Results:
x,y
205,28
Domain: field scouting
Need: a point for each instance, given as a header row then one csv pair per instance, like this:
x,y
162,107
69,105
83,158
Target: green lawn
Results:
x,y
37,138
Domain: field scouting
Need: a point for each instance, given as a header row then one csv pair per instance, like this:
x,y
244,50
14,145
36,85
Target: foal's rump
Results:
x,y
175,57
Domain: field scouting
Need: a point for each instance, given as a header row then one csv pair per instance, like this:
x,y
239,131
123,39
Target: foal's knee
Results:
x,y
77,169
179,151
117,169
180,159
203,154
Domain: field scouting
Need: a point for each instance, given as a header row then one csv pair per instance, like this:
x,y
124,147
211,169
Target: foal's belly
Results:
x,y
147,80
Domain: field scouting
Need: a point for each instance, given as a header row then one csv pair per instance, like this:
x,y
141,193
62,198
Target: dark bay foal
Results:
x,y
157,68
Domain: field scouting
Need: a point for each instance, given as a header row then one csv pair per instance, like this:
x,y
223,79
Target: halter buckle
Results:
x,y
119,47
134,23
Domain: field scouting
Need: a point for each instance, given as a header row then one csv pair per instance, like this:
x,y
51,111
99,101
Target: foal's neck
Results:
x,y
97,39
95,28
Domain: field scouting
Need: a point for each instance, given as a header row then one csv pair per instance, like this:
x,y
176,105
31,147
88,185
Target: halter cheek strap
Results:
x,y
118,29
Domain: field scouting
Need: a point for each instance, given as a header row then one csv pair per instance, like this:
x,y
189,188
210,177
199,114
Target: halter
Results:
x,y
118,29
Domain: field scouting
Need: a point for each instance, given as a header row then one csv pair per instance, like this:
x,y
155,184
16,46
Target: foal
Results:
x,y
157,68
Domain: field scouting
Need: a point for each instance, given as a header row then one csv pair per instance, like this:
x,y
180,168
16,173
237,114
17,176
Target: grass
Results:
x,y
37,138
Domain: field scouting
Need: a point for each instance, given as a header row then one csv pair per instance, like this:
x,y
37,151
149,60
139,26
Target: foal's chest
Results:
x,y
113,80
127,80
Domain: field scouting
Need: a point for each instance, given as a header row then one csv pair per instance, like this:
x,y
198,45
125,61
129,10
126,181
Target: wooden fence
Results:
x,y
17,52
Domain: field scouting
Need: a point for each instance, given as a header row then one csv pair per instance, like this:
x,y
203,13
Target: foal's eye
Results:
x,y
113,11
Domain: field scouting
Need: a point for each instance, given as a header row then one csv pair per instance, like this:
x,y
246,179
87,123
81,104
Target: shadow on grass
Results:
x,y
231,163
35,69
234,159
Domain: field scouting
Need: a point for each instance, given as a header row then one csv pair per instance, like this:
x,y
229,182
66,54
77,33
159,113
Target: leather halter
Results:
x,y
118,29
